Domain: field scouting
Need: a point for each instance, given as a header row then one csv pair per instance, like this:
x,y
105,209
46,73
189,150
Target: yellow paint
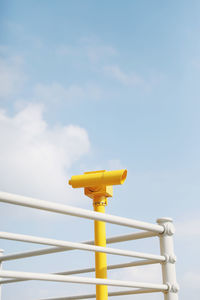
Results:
x,y
98,186
97,178
100,240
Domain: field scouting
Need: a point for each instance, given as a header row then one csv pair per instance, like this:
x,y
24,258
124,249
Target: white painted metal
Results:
x,y
89,270
78,212
84,280
111,240
167,250
164,230
53,242
119,293
1,253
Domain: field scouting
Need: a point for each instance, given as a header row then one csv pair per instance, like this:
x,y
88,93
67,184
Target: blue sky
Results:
x,y
89,85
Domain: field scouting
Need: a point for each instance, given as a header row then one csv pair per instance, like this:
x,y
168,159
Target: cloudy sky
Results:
x,y
88,85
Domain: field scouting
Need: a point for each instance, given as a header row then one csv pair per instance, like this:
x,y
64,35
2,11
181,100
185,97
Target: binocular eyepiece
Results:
x,y
98,178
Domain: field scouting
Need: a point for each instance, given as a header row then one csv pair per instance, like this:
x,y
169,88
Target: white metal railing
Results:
x,y
163,229
77,212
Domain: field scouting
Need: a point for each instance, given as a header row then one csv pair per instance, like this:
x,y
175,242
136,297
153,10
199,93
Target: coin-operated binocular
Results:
x,y
98,183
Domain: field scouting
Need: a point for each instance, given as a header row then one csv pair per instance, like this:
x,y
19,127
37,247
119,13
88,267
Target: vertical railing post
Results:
x,y
167,250
1,253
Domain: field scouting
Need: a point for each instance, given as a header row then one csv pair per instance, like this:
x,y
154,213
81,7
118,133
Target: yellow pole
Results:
x,y
99,204
98,185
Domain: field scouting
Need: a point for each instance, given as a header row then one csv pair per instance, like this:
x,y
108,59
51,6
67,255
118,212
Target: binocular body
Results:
x,y
98,178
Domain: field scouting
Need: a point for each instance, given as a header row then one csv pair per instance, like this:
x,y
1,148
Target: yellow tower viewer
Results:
x,y
98,186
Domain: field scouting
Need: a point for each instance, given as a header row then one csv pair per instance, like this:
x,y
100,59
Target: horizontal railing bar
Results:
x,y
81,280
131,237
78,212
89,270
110,294
33,253
111,240
79,246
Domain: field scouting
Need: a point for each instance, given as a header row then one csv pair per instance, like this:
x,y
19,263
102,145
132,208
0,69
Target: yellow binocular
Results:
x,y
98,178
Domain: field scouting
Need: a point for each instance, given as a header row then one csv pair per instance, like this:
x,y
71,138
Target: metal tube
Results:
x,y
26,254
168,268
78,212
1,253
89,270
131,237
111,240
99,204
82,280
98,178
53,242
119,293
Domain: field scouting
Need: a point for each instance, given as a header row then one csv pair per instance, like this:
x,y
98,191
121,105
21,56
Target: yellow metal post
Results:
x,y
99,204
98,186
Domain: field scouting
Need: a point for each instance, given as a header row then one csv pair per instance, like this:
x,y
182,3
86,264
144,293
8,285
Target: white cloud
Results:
x,y
34,158
96,53
90,48
187,237
195,62
131,79
115,164
65,50
12,77
56,93
191,280
188,229
22,34
150,274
